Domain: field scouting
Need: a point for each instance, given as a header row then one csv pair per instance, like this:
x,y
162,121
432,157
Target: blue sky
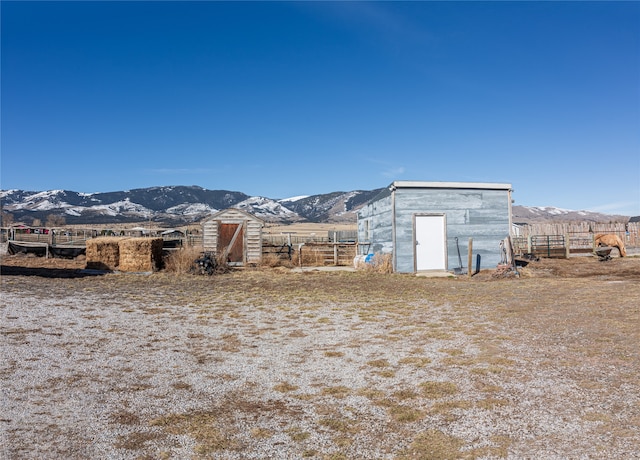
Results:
x,y
280,99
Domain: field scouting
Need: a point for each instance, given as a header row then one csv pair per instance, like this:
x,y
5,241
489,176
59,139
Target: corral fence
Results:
x,y
331,236
550,246
566,239
79,237
46,236
299,250
311,254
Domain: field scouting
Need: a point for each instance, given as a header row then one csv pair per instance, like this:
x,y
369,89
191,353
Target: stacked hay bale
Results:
x,y
103,253
140,254
124,254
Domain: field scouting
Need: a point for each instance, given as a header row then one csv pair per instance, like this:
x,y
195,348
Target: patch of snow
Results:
x,y
4,193
294,198
552,210
190,209
46,205
45,195
74,211
261,206
113,209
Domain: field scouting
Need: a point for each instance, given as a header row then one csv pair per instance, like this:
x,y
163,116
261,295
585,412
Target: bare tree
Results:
x,y
54,220
7,219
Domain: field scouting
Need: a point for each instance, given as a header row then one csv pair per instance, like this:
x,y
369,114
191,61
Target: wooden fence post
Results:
x,y
509,247
470,258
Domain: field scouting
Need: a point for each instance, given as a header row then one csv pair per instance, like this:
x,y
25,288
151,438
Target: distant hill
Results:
x,y
181,205
527,214
177,205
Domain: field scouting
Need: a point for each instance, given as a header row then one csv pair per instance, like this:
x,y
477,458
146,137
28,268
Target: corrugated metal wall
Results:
x,y
252,233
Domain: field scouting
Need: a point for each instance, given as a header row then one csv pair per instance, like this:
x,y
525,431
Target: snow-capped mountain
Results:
x,y
176,205
528,214
267,209
179,205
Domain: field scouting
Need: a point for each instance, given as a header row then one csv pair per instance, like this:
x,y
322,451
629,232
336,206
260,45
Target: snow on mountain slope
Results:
x,y
191,209
265,208
525,214
293,198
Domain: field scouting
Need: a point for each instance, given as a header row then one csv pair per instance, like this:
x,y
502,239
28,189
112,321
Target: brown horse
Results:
x,y
608,239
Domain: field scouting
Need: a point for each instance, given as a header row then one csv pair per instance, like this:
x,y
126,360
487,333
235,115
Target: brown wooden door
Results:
x,y
226,234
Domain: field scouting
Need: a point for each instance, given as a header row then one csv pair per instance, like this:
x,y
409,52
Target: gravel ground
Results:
x,y
271,364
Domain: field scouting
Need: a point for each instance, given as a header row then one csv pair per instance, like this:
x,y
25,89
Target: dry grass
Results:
x,y
437,390
312,256
285,387
434,444
270,363
180,261
273,260
203,427
380,263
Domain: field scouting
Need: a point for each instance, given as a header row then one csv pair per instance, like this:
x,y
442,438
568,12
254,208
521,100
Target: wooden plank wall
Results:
x,y
253,236
375,225
482,215
479,214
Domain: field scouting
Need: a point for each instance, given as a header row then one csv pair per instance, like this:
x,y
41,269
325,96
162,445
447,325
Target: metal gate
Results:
x,y
549,246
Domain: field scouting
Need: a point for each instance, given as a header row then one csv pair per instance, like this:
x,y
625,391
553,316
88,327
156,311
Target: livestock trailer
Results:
x,y
426,225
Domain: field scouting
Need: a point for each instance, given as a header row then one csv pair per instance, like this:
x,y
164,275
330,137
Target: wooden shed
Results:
x,y
235,234
423,224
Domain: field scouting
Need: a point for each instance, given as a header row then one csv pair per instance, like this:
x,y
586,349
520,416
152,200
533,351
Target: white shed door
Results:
x,y
430,242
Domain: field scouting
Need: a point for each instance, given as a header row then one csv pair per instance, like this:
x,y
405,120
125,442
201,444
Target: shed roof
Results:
x,y
247,215
172,230
451,185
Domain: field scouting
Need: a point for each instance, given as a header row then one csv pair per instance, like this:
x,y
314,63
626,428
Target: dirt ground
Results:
x,y
585,266
270,363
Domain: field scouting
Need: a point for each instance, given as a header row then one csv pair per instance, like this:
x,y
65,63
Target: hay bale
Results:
x,y
140,254
103,253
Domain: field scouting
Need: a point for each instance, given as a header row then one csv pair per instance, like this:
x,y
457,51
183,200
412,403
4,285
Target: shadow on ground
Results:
x,y
49,272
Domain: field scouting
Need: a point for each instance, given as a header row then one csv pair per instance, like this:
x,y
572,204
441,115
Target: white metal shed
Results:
x,y
426,225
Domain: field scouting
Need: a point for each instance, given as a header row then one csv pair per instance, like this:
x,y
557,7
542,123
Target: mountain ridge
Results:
x,y
183,205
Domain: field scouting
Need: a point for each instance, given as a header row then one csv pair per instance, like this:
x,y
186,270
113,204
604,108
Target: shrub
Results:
x,y
380,263
273,260
182,260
